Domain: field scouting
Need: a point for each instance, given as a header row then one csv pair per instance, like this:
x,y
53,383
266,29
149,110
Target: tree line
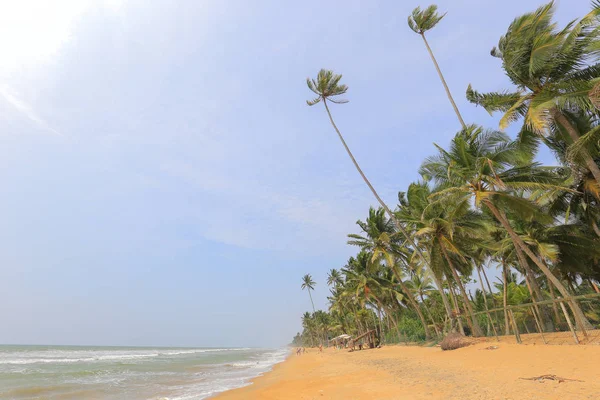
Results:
x,y
484,202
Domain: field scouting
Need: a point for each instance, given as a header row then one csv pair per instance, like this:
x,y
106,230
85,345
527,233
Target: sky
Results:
x,y
163,181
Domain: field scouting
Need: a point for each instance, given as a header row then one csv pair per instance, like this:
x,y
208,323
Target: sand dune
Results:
x,y
411,372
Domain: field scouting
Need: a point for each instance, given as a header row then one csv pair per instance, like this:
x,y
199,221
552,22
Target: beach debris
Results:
x,y
454,341
549,377
490,348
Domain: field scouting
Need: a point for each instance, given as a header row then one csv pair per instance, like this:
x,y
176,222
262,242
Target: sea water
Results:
x,y
132,373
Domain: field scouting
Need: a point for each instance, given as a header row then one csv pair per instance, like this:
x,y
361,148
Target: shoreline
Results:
x,y
257,380
414,372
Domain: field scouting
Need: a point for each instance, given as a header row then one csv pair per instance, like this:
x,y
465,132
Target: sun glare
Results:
x,y
31,31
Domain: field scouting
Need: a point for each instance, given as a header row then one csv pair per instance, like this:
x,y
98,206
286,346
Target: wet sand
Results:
x,y
412,372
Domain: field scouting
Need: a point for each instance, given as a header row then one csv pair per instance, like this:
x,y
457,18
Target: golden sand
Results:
x,y
411,372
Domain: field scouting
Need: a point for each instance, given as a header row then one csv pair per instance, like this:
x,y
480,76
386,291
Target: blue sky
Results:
x,y
164,182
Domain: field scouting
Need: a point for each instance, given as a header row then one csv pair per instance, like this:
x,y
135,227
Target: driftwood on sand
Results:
x,y
549,377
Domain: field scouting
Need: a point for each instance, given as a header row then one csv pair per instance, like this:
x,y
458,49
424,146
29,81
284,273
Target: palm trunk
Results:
x,y
487,281
485,303
380,318
381,202
412,301
536,292
580,318
447,307
557,319
437,331
311,302
589,161
358,324
437,67
314,312
395,322
505,298
475,325
381,310
460,310
461,328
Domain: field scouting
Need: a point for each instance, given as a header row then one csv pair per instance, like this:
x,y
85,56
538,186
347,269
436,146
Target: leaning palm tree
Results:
x,y
489,167
309,284
420,21
554,72
327,87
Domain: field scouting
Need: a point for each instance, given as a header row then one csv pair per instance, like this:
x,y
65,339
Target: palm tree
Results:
x,y
380,242
554,72
334,277
309,284
308,323
451,229
327,88
489,167
420,284
411,208
367,280
420,22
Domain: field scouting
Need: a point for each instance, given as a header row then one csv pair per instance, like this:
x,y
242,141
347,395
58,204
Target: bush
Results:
x,y
411,329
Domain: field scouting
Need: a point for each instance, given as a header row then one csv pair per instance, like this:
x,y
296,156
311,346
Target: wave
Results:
x,y
158,373
82,357
240,374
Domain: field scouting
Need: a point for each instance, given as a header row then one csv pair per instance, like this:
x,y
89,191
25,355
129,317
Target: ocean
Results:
x,y
132,373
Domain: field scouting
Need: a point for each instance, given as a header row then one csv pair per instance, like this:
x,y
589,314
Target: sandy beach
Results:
x,y
412,372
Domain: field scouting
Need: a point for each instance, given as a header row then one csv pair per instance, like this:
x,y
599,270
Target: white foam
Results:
x,y
49,357
238,375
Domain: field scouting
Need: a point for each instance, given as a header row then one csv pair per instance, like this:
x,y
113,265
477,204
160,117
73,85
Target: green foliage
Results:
x,y
484,202
411,329
420,21
326,87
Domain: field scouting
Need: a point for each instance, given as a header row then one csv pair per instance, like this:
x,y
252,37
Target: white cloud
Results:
x,y
22,107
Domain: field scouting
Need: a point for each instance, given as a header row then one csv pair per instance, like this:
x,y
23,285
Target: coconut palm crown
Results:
x,y
421,21
326,87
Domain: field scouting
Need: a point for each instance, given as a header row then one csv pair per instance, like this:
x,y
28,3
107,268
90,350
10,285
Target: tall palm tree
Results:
x,y
327,87
309,284
554,72
489,167
420,21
